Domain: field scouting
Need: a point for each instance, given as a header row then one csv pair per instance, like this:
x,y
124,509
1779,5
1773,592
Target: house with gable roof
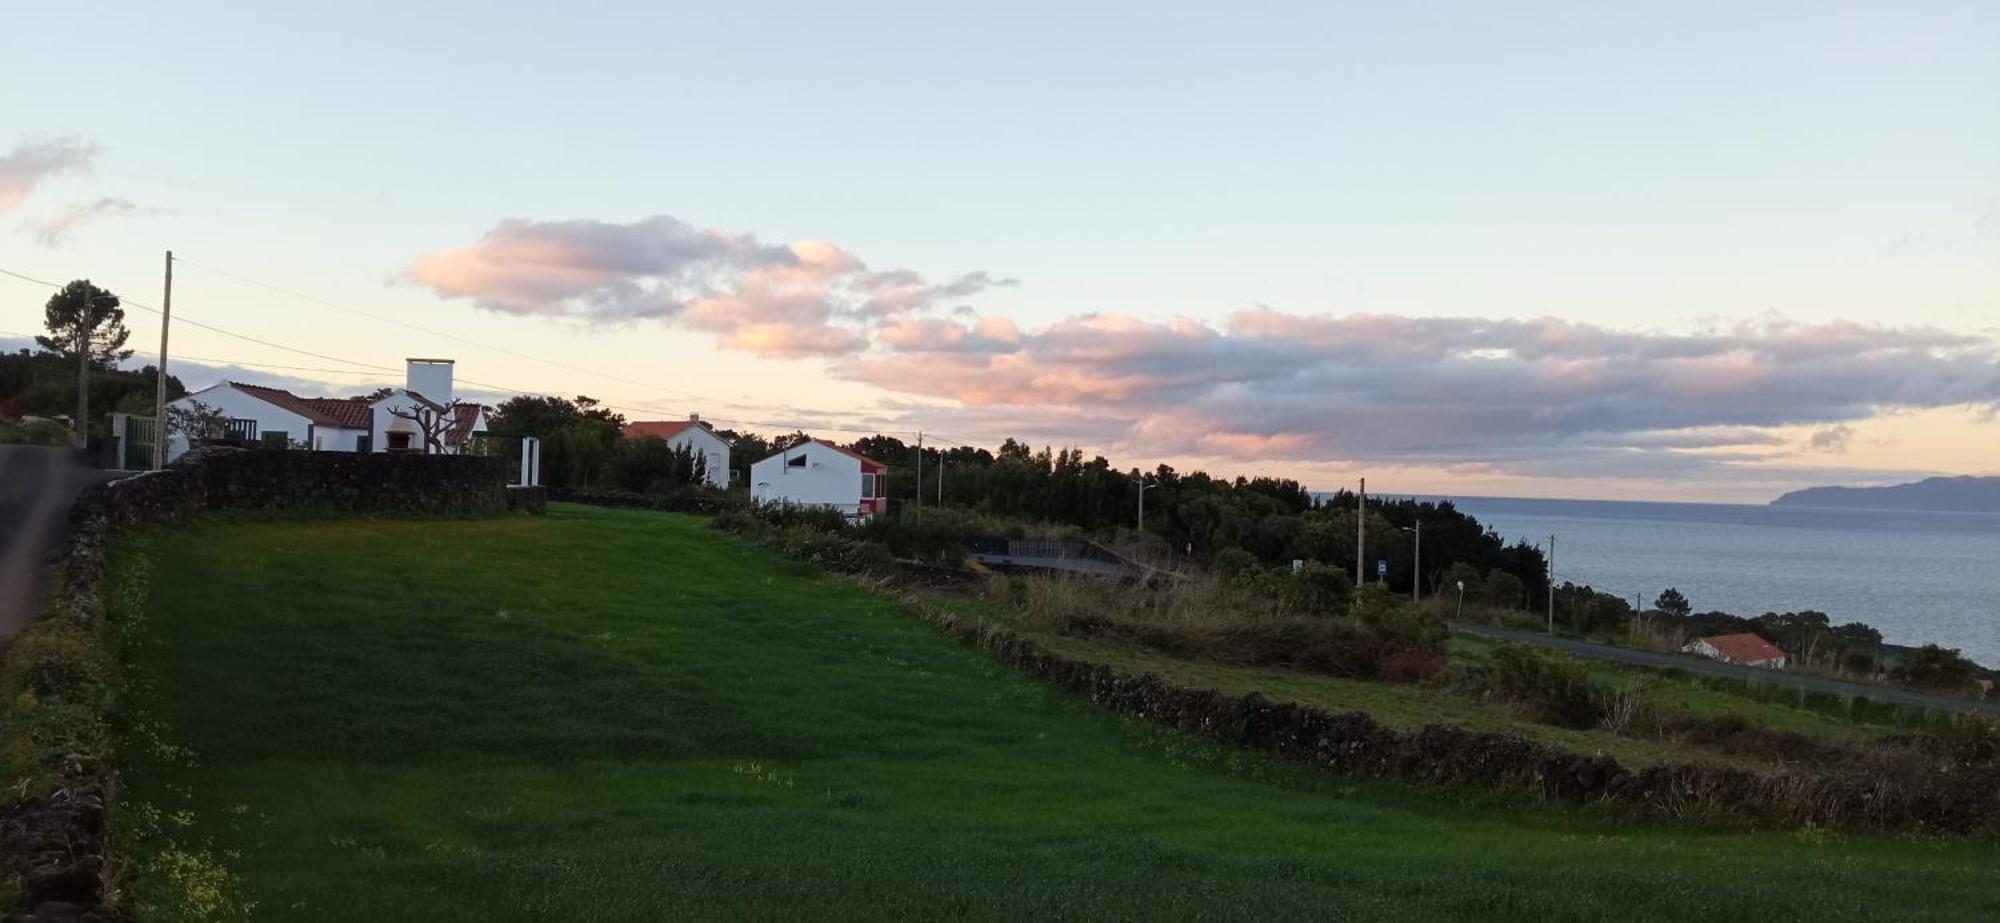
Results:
x,y
366,423
695,436
1745,649
816,473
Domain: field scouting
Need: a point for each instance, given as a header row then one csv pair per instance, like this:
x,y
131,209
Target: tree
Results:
x,y
197,422
1934,667
432,420
1504,589
83,313
1672,602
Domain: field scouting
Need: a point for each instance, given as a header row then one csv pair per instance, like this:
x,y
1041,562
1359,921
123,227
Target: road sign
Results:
x,y
1381,568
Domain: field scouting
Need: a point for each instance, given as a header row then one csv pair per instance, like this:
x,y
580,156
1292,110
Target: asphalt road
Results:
x,y
1757,675
36,487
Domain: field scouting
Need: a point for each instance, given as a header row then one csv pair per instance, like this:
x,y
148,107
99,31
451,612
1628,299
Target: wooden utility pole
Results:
x,y
160,380
1552,584
920,471
1361,534
83,372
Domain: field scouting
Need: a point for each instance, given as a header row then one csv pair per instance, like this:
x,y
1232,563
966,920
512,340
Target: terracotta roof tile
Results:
x,y
1744,648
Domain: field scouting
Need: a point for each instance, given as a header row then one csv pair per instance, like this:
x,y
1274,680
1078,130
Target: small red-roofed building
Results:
x,y
1744,649
693,435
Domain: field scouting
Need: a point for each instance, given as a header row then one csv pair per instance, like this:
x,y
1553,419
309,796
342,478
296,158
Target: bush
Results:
x,y
34,432
1554,687
1936,668
1322,589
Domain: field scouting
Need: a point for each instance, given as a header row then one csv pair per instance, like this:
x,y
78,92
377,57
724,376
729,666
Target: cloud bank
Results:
x,y
1538,396
808,298
24,168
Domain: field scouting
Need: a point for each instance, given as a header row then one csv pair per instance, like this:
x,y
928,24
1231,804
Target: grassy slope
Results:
x,y
623,715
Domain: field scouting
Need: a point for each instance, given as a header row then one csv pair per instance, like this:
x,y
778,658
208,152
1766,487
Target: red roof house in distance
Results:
x,y
693,435
1745,649
815,473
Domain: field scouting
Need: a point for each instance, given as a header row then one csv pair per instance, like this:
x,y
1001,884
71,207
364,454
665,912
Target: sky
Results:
x,y
1694,251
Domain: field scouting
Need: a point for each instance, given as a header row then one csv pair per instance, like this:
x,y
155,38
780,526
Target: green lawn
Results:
x,y
624,715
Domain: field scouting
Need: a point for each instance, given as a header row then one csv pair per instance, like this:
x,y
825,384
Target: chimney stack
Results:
x,y
430,378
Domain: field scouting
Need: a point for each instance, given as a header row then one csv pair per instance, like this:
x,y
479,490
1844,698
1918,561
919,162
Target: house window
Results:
x,y
364,443
869,485
796,461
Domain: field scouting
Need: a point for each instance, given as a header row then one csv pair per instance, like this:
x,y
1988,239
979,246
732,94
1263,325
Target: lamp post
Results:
x,y
1461,601
1417,565
1143,487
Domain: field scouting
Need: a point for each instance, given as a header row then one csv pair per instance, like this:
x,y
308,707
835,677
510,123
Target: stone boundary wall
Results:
x,y
1353,742
55,843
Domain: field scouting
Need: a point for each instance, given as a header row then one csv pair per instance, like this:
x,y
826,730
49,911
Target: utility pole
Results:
x,y
83,371
1417,566
1552,584
1361,534
920,471
160,381
940,480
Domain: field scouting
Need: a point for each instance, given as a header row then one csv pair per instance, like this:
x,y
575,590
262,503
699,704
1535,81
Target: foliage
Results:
x,y
578,436
1673,602
1554,687
196,421
83,313
34,432
43,384
1935,668
649,465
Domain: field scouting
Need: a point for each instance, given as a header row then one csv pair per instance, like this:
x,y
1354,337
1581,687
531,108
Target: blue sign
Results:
x,y
1381,568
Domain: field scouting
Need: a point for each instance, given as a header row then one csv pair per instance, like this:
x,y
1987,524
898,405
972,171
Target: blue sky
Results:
x,y
1661,169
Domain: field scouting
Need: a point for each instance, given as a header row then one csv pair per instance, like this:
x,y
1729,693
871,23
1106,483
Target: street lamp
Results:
x,y
1461,601
1143,487
1417,567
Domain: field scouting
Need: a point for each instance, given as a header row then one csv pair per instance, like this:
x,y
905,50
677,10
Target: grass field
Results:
x,y
624,715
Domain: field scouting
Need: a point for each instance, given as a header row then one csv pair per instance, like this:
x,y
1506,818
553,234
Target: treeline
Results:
x,y
1188,514
43,384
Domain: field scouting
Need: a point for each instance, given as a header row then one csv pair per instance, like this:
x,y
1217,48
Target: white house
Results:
x,y
816,473
693,435
367,423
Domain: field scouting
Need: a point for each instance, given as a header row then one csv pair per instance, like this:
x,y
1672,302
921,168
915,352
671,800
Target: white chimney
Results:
x,y
694,418
430,378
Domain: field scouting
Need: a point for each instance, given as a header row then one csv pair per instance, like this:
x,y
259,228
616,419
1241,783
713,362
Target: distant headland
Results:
x,y
1966,494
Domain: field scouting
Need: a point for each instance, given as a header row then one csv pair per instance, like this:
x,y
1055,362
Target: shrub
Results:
x,y
34,432
1322,589
1936,668
1554,687
1235,565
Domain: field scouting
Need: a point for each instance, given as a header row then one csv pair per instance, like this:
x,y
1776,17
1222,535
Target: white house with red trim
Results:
x,y
1746,649
367,423
815,473
693,435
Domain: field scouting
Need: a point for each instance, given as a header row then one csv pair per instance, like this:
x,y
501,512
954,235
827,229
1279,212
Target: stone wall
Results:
x,y
53,842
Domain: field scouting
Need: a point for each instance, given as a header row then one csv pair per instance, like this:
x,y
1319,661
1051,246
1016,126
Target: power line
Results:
x,y
735,421
438,333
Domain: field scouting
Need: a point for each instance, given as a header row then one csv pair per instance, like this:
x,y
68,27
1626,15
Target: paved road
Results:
x,y
36,487
1694,664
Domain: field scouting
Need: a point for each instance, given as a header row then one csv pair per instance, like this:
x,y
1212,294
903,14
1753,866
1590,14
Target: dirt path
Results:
x,y
36,487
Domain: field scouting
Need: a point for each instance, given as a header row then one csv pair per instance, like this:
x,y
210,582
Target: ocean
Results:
x,y
1919,577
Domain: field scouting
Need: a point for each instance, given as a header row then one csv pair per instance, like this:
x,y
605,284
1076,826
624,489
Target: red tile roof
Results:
x,y
1744,648
349,412
868,465
464,418
662,429
279,397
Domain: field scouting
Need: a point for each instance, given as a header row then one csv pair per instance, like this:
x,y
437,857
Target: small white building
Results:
x,y
693,435
367,423
815,473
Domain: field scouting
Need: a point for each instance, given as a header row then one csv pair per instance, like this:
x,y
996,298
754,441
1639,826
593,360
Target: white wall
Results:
x,y
828,478
239,405
337,439
710,447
